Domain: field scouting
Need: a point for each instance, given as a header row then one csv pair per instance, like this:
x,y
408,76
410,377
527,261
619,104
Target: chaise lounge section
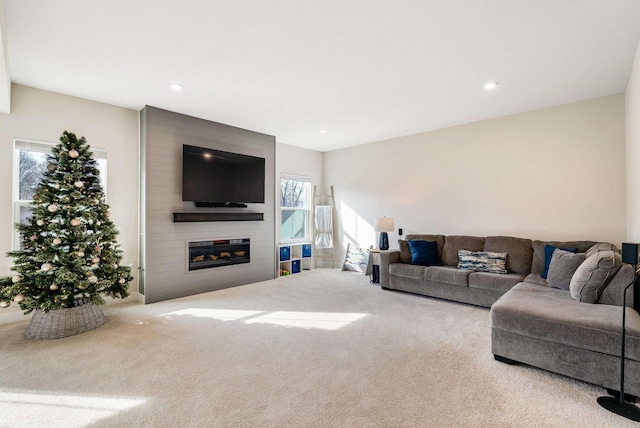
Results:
x,y
532,322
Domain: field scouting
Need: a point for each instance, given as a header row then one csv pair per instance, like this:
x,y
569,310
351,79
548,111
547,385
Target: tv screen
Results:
x,y
215,176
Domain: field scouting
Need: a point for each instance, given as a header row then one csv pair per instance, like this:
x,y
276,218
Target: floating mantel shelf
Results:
x,y
193,217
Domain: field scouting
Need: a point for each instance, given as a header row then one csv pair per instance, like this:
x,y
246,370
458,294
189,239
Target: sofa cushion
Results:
x,y
405,251
454,243
593,275
535,278
424,253
494,281
550,314
537,263
548,253
562,267
447,275
406,270
518,251
482,261
612,294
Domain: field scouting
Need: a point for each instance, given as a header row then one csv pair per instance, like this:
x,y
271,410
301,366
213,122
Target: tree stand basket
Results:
x,y
64,322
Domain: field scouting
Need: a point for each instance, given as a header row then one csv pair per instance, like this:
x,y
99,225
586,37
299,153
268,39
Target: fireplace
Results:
x,y
218,252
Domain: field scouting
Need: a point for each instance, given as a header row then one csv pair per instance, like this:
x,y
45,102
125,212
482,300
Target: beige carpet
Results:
x,y
319,349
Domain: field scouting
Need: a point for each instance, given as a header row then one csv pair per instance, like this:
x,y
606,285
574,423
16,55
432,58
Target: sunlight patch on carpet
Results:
x,y
216,314
319,320
51,409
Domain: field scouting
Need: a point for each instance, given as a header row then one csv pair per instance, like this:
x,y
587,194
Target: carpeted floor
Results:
x,y
319,349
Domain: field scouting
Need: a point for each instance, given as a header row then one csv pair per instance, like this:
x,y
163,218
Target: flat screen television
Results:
x,y
216,178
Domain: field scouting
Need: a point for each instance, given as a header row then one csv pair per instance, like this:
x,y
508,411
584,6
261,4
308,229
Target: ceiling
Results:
x,y
363,70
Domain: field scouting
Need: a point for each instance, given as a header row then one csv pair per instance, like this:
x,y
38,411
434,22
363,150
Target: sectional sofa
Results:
x,y
531,321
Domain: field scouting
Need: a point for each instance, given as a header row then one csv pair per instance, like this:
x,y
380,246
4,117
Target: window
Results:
x,y
29,163
295,205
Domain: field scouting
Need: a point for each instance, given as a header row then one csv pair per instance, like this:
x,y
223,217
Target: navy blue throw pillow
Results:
x,y
548,252
424,253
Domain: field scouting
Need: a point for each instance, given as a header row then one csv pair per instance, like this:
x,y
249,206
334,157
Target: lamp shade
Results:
x,y
384,224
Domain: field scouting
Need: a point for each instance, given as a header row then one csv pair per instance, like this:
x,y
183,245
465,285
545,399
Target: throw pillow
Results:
x,y
593,275
482,261
548,252
424,253
601,246
405,251
562,267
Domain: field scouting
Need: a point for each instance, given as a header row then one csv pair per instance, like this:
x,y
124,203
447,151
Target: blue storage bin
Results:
x,y
295,266
285,253
306,250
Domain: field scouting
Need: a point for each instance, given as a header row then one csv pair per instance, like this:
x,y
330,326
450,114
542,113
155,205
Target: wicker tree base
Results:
x,y
64,322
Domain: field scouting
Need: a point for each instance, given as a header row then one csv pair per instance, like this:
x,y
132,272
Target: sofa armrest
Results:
x,y
386,258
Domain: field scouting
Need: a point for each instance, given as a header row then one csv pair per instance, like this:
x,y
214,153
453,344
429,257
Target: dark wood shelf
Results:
x,y
195,217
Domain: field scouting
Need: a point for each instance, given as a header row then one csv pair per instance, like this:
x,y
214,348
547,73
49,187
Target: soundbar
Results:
x,y
220,205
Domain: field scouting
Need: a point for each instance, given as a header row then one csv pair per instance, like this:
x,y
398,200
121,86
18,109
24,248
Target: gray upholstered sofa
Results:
x,y
449,282
531,322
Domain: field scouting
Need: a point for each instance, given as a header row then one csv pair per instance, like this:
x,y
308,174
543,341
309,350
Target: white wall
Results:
x,y
297,161
42,115
632,127
557,173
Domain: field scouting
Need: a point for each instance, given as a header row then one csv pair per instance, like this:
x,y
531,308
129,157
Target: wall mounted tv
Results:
x,y
213,178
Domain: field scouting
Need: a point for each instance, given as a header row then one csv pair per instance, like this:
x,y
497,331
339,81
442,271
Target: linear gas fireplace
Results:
x,y
218,252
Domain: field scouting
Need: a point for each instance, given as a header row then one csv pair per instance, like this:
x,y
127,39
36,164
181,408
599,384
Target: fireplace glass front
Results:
x,y
218,252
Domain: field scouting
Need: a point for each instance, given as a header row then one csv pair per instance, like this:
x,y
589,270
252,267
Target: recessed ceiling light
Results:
x,y
490,86
322,131
176,87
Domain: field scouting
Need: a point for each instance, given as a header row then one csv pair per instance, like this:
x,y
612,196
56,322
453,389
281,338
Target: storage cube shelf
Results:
x,y
294,258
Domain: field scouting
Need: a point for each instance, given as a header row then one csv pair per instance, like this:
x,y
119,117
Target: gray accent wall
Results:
x,y
163,249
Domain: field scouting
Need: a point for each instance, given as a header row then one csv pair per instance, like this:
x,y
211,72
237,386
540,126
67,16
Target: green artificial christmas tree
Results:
x,y
69,254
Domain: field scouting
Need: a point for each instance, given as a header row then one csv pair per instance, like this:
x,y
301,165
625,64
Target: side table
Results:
x,y
373,266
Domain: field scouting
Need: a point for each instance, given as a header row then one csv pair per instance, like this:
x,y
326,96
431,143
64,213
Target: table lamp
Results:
x,y
384,225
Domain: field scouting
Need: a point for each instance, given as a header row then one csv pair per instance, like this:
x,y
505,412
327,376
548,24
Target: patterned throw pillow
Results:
x,y
482,261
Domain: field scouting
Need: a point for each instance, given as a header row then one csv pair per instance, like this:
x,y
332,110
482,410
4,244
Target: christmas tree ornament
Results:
x,y
18,298
57,241
46,267
121,281
40,222
93,279
56,186
52,208
74,222
80,253
98,223
73,153
5,304
16,279
51,167
97,249
108,213
96,259
33,238
53,287
79,184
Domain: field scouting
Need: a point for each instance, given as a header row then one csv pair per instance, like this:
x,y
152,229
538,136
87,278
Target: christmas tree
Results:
x,y
69,254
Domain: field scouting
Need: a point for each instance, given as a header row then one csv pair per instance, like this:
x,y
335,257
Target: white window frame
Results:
x,y
306,208
24,144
